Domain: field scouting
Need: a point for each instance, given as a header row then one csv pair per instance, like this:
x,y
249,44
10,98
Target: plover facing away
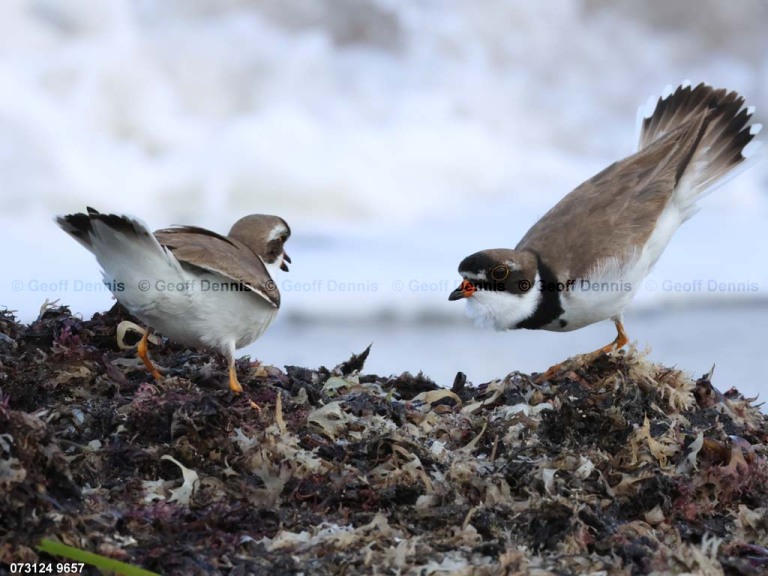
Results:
x,y
196,287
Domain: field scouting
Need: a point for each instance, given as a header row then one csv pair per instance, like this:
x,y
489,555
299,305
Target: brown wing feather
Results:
x,y
623,202
722,146
225,256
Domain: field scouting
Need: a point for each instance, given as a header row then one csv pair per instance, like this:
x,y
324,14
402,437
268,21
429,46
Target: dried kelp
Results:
x,y
617,465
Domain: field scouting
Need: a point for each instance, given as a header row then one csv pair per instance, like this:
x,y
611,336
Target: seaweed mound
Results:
x,y
616,465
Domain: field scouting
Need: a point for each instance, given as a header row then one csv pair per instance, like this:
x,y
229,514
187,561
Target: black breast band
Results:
x,y
549,307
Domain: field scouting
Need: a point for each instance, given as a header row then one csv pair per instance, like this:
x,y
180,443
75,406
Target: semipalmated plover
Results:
x,y
196,287
584,260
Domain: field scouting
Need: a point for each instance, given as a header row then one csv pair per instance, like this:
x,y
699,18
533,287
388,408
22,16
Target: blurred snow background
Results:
x,y
395,137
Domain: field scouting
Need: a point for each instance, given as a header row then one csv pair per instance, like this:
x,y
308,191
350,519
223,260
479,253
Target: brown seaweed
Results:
x,y
618,465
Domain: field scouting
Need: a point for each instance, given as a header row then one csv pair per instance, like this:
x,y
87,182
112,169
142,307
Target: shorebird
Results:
x,y
196,287
584,260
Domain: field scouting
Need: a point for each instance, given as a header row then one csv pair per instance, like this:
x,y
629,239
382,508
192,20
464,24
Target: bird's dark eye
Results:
x,y
500,272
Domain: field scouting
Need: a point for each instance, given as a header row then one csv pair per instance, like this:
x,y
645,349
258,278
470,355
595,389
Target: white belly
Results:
x,y
202,311
592,300
610,286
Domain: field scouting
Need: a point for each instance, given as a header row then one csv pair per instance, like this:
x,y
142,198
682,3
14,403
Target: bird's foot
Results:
x,y
143,352
551,372
234,383
619,342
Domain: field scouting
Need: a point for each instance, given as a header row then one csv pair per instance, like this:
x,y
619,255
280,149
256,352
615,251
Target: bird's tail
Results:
x,y
723,131
129,254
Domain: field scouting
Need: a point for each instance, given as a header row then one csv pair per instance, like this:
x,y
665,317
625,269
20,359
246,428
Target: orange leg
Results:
x,y
234,383
551,372
143,353
620,341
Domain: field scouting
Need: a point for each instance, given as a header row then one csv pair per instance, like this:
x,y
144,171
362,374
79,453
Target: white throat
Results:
x,y
274,268
502,310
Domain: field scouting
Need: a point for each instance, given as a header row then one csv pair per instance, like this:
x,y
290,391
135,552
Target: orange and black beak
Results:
x,y
284,266
465,290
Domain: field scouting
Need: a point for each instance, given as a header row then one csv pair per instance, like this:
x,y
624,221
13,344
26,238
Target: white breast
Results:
x,y
502,310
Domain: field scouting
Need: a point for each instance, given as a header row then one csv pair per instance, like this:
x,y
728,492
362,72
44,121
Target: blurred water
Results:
x,y
395,138
691,339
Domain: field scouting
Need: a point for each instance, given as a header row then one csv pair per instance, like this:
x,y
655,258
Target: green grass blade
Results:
x,y
58,549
